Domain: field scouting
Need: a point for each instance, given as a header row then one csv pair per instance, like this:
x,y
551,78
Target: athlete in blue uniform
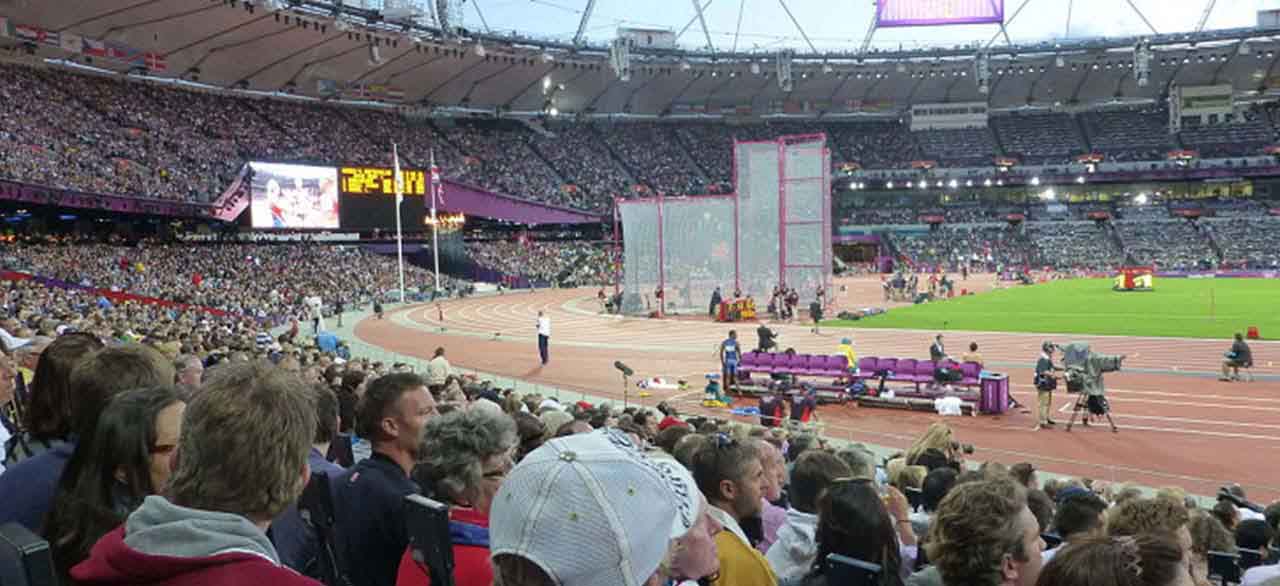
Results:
x,y
730,355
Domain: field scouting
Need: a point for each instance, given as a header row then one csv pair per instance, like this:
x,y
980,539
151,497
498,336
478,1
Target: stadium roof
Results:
x,y
316,48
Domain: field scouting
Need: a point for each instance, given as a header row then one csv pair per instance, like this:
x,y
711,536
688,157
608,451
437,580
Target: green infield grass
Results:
x,y
1192,308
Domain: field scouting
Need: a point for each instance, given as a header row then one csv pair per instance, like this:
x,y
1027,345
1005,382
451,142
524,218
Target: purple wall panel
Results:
x,y
474,201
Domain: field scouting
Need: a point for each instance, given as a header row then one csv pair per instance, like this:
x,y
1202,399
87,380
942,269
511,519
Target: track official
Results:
x,y
544,338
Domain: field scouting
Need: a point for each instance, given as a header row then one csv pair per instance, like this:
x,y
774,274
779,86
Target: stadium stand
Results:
x,y
1038,139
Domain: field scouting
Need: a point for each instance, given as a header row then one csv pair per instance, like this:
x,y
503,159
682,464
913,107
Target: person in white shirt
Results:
x,y
438,371
544,338
792,554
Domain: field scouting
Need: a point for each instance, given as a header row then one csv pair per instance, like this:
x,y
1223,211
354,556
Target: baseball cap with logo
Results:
x,y
592,510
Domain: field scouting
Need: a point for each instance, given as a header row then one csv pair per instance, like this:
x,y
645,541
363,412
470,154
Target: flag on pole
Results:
x,y
395,154
437,186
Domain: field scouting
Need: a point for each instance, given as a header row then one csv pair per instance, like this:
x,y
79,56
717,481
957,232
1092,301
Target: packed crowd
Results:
x,y
1246,243
156,140
263,281
983,248
1168,244
554,263
268,468
1076,245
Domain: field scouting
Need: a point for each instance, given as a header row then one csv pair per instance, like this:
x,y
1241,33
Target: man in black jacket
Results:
x,y
1045,383
1239,355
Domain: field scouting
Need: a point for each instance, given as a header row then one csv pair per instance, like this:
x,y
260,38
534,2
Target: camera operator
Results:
x,y
1045,383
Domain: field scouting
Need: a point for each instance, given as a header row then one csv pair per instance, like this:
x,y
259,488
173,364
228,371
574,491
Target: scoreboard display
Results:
x,y
895,13
378,181
368,198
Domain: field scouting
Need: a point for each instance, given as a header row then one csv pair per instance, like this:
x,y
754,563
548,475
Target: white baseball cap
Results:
x,y
591,510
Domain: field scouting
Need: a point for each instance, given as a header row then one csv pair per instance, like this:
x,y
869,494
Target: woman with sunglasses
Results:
x,y
853,521
129,458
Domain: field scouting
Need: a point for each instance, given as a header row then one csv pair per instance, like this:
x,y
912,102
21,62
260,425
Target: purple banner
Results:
x,y
34,194
474,201
891,13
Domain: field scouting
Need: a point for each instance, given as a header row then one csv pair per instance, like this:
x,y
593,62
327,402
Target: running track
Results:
x,y
1179,426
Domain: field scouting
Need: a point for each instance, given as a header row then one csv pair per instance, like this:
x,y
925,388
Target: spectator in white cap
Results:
x,y
588,510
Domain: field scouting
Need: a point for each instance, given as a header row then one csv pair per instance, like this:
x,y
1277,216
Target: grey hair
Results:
x,y
862,463
456,444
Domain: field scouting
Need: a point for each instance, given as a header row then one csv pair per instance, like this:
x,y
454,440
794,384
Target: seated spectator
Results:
x,y
693,556
531,432
466,454
190,372
438,372
1042,507
295,539
28,486
1151,559
796,549
775,476
1239,356
687,447
730,475
937,483
48,416
1080,516
106,478
937,437
983,534
1254,535
369,498
972,355
8,394
861,462
1025,474
242,459
853,522
1207,534
1154,515
588,509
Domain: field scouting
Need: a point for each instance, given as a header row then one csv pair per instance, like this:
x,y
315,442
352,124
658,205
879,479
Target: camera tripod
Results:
x,y
1082,403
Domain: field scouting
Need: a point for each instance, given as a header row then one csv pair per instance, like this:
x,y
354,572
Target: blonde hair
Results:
x,y
938,437
909,477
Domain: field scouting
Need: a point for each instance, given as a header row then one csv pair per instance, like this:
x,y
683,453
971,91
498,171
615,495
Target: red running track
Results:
x,y
1179,426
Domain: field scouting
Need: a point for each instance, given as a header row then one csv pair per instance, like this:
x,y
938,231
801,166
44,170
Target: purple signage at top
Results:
x,y
890,13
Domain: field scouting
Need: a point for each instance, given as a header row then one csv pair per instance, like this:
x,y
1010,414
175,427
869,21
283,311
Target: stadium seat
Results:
x,y
905,370
838,365
25,559
766,363
970,370
886,364
924,371
1224,567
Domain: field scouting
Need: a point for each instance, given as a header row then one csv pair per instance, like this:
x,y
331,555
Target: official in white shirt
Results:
x,y
544,338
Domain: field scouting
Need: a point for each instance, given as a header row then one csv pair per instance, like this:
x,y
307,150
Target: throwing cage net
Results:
x,y
776,229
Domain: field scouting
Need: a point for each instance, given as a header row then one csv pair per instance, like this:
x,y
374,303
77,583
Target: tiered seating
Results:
x,y
959,147
1129,135
1039,139
1229,140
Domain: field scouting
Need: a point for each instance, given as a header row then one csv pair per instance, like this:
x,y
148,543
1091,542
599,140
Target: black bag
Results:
x,y
1046,382
1098,405
1075,381
945,374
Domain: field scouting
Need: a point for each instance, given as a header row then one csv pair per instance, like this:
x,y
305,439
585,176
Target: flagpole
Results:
x,y
436,187
399,181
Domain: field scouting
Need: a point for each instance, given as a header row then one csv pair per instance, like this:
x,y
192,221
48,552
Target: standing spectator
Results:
x,y
544,338
1045,383
369,498
588,509
242,460
295,539
28,486
438,371
730,475
467,455
983,534
128,458
793,554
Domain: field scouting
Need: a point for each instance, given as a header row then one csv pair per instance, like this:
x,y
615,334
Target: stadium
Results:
x,y
486,256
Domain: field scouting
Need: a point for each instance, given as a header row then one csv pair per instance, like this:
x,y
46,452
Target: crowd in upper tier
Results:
x,y
130,137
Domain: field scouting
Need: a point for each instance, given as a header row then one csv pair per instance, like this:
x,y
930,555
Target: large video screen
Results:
x,y
891,13
369,198
293,196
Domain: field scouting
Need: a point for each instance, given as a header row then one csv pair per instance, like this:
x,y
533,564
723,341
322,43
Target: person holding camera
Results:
x,y
1045,383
